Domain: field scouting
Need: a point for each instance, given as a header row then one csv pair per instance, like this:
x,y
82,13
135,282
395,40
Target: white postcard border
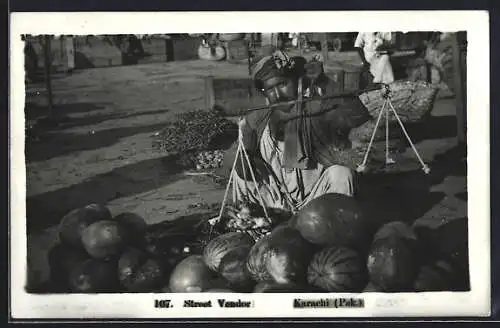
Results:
x,y
473,303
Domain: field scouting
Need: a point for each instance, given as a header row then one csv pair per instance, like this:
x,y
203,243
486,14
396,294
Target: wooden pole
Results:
x,y
69,48
324,46
209,93
250,50
459,83
47,71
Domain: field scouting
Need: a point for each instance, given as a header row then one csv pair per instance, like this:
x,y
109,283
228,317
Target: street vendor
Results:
x,y
293,157
370,45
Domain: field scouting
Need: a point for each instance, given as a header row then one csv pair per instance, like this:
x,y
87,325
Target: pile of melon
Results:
x,y
98,253
330,245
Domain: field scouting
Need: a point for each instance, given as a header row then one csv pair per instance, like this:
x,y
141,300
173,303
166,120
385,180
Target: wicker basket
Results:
x,y
411,100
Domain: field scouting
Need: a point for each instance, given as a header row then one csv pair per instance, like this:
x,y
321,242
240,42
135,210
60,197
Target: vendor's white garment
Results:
x,y
380,65
301,185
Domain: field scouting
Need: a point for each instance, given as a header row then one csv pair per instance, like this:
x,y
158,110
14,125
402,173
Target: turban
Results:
x,y
271,67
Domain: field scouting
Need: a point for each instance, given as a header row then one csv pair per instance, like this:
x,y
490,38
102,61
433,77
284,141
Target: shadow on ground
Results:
x,y
47,209
406,196
33,111
62,143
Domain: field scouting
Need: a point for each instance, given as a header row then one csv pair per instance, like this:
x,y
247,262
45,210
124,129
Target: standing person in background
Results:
x,y
69,47
369,45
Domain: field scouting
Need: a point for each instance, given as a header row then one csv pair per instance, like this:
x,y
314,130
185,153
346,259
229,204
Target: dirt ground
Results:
x,y
102,152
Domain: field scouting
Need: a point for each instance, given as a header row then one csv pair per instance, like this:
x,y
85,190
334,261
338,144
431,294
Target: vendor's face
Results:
x,y
284,91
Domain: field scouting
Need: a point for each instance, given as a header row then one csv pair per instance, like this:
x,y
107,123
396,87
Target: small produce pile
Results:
x,y
330,245
203,160
247,219
193,135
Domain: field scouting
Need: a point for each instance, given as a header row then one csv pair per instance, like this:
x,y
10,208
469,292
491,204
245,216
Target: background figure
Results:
x,y
370,46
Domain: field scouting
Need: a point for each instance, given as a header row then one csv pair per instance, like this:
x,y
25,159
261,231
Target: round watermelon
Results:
x,y
221,245
62,260
94,276
272,287
337,269
103,239
139,272
233,268
192,275
281,256
73,223
336,220
135,226
436,277
392,264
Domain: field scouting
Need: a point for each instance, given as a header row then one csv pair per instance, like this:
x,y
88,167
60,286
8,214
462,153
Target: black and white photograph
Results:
x,y
177,174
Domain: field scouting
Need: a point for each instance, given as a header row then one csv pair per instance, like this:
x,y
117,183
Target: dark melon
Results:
x,y
396,229
272,287
73,223
140,272
336,220
219,290
192,275
62,260
281,256
438,276
392,264
165,289
292,222
168,250
94,276
135,226
448,241
337,269
371,288
223,244
453,242
233,268
104,239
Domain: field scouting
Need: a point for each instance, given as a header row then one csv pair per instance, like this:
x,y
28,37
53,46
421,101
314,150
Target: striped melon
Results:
x,y
334,220
223,244
337,269
233,268
281,257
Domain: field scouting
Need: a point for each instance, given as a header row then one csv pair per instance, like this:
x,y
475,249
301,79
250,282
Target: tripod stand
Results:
x,y
387,108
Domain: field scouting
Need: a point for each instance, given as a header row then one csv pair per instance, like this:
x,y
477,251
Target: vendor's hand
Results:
x,y
214,221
